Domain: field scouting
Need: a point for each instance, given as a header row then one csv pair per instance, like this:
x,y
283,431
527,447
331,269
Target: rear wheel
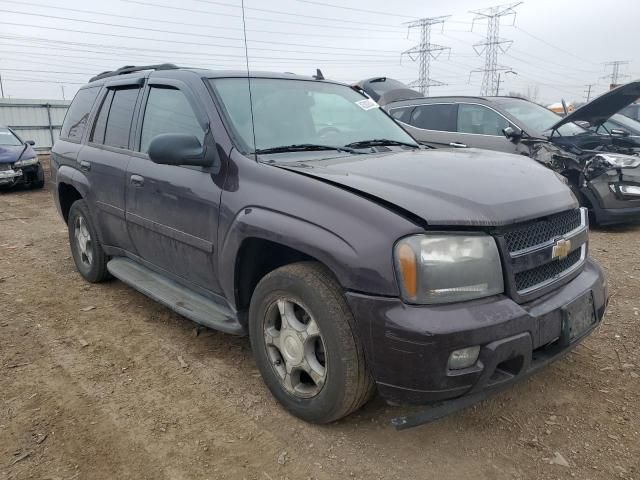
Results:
x,y
304,341
86,249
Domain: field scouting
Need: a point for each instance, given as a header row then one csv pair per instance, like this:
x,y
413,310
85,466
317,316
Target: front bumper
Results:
x,y
17,176
408,347
609,207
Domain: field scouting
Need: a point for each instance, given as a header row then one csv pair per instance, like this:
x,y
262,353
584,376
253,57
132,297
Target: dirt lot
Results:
x,y
98,382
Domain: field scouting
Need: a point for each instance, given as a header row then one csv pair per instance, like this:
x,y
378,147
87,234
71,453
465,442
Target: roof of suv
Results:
x,y
130,71
451,98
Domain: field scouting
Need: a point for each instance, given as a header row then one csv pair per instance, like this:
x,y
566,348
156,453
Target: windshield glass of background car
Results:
x,y
293,112
532,116
7,138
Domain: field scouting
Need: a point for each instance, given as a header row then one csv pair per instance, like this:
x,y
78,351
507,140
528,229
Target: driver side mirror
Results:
x,y
178,149
513,134
619,132
30,142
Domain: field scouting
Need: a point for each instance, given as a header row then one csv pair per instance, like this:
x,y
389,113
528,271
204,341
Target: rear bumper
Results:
x,y
408,347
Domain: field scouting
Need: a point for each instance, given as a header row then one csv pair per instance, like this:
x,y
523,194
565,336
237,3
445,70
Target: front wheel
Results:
x,y
304,341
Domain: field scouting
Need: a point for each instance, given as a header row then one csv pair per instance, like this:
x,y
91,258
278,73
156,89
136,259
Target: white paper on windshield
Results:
x,y
367,104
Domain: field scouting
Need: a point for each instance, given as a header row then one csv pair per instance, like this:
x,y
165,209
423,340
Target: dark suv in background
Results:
x,y
298,212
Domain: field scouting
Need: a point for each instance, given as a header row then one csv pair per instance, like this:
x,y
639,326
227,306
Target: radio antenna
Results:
x,y
246,56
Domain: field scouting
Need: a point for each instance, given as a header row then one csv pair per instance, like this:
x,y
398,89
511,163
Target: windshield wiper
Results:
x,y
303,147
375,142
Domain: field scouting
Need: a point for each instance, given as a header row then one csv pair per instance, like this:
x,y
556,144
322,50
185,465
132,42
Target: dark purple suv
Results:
x,y
298,212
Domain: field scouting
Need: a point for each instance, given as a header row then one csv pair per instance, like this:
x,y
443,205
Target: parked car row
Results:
x,y
295,210
592,147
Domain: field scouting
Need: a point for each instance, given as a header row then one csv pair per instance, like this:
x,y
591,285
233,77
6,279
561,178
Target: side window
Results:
x,y
100,124
120,117
480,120
113,123
402,114
437,116
77,116
168,111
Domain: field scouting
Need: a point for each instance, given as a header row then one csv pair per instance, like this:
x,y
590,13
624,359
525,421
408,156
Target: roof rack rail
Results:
x,y
132,68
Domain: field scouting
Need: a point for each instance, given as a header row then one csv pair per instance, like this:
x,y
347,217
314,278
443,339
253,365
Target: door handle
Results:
x,y
84,165
457,145
137,180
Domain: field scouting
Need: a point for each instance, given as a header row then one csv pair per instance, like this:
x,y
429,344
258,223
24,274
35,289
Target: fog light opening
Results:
x,y
464,358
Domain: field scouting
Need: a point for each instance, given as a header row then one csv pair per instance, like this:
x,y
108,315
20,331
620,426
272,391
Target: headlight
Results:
x,y
620,160
439,268
25,162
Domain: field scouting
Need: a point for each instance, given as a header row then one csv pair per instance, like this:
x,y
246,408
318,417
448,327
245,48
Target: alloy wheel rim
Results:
x,y
83,241
295,348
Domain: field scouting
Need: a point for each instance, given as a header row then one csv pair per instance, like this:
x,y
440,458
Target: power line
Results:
x,y
424,52
492,44
299,15
553,46
191,34
375,12
262,19
200,44
199,25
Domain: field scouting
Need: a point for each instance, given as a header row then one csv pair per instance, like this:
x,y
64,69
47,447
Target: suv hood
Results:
x,y
449,187
600,109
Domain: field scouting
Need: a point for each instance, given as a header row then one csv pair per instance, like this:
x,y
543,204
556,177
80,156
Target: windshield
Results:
x,y
299,112
535,118
7,138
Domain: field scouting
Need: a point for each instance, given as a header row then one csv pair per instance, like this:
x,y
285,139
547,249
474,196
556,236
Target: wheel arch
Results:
x,y
261,240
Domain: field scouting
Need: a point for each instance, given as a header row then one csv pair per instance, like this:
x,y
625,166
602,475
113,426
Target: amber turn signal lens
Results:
x,y
408,270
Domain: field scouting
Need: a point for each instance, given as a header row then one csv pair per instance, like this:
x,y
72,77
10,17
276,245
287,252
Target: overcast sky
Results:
x,y
559,46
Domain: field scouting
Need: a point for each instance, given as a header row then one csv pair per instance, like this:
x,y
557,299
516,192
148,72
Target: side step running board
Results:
x,y
187,303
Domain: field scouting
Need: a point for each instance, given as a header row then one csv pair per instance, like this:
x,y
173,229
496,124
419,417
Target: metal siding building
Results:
x,y
38,120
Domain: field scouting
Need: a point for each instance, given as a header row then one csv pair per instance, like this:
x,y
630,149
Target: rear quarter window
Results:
x,y
75,121
402,114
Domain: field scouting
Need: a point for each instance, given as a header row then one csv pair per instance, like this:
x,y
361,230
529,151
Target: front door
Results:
x,y
479,126
172,211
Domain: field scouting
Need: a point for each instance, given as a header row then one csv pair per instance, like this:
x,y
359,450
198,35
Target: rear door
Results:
x,y
105,158
431,123
172,211
480,126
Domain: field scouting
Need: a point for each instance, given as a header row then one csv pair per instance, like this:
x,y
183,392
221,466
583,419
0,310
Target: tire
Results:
x,y
309,294
39,183
86,249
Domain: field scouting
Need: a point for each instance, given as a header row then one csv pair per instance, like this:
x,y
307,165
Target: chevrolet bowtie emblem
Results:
x,y
561,249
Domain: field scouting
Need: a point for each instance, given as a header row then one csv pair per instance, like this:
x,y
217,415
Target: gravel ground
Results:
x,y
99,382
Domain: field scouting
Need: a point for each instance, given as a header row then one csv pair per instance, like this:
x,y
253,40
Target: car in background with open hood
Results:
x,y
602,168
19,164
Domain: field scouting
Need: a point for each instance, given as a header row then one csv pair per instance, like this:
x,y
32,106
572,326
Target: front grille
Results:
x,y
5,166
546,272
541,231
